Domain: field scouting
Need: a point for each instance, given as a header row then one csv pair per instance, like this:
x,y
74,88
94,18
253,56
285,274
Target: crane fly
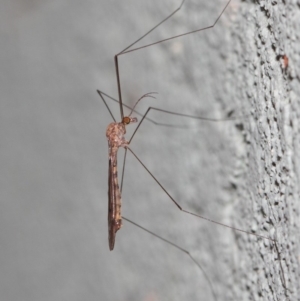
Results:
x,y
115,134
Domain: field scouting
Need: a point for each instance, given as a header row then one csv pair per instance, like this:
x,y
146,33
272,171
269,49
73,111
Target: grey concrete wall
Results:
x,y
267,177
244,173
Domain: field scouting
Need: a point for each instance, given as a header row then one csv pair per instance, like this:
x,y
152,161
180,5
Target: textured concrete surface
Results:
x,y
245,173
267,178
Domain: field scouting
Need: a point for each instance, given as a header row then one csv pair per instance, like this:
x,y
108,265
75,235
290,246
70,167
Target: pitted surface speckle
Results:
x,y
268,181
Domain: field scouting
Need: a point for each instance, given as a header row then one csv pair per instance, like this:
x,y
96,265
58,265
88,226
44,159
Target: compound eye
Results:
x,y
126,120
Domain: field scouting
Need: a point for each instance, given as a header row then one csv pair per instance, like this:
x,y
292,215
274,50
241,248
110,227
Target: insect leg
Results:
x,y
179,248
189,212
122,52
182,115
174,37
111,114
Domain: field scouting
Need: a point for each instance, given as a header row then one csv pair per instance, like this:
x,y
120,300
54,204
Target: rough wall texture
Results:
x,y
267,178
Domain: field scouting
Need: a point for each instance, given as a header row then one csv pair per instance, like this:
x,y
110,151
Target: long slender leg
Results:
x,y
281,268
123,170
189,212
116,56
184,115
111,114
161,22
174,37
161,41
179,248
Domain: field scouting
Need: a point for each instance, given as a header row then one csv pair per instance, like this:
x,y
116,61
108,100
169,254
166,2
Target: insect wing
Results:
x,y
114,199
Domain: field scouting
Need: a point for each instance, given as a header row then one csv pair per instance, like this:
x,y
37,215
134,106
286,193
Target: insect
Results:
x,y
115,134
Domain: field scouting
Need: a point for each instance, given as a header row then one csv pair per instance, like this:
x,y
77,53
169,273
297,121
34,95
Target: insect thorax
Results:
x,y
115,134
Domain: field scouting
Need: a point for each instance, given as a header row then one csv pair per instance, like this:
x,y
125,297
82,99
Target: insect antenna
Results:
x,y
101,93
149,94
